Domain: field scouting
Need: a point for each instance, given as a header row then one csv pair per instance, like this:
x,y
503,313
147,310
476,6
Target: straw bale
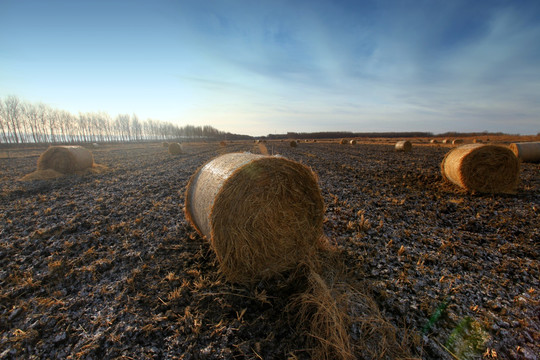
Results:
x,y
527,151
457,142
222,143
352,142
477,141
433,141
293,143
175,148
482,168
343,141
65,159
447,141
261,214
405,146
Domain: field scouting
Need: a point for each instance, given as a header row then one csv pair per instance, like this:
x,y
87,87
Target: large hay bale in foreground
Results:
x,y
261,214
405,146
482,168
527,151
65,159
175,148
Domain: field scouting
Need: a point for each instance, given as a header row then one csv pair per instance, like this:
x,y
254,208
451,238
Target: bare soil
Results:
x,y
106,265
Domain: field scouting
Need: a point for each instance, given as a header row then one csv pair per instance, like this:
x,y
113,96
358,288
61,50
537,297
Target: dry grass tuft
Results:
x,y
482,168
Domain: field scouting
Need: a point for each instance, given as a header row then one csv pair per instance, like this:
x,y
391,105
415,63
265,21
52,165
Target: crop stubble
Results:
x,y
106,265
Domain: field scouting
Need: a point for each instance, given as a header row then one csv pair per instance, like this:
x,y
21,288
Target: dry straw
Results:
x,y
262,214
405,146
65,159
527,151
482,168
175,148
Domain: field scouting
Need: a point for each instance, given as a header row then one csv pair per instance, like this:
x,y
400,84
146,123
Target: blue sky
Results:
x,y
255,67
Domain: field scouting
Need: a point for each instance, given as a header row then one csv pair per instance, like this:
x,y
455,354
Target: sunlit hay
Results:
x,y
175,148
262,214
222,143
165,144
477,141
433,141
344,142
526,151
50,174
352,142
482,168
320,310
65,159
405,146
293,143
447,141
262,149
457,142
47,174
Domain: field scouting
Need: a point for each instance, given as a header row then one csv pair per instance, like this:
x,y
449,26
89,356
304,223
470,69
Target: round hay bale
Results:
x,y
477,141
343,141
352,142
527,151
262,214
482,168
457,142
405,146
175,148
293,144
447,141
65,159
433,141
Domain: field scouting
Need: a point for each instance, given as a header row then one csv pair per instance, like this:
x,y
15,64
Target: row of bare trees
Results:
x,y
24,122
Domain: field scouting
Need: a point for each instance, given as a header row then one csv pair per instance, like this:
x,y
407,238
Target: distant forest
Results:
x,y
350,134
23,122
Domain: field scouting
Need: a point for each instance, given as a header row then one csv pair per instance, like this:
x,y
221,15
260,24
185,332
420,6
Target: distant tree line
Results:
x,y
22,122
347,134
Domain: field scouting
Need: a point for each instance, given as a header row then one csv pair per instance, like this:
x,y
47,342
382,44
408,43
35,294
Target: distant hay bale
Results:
x,y
343,141
457,142
165,144
65,159
526,151
222,143
447,141
261,214
293,143
405,146
477,141
433,141
482,168
175,148
352,142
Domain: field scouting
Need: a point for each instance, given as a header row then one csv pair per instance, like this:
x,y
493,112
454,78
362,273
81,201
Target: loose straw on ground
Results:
x,y
404,146
526,151
482,168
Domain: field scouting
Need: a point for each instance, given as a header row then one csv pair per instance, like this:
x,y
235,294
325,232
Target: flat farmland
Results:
x,y
107,266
